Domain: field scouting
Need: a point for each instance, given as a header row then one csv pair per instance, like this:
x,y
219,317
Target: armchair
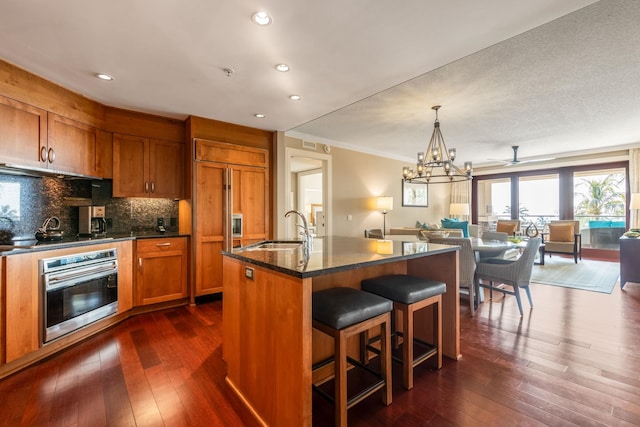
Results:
x,y
516,274
467,265
563,238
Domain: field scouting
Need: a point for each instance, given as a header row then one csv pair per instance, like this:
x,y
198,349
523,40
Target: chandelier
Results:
x,y
439,167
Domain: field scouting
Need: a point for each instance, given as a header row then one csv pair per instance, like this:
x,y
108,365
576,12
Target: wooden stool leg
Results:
x,y
340,378
407,345
385,361
437,317
364,352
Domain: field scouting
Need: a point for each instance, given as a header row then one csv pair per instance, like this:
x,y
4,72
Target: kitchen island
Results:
x,y
268,342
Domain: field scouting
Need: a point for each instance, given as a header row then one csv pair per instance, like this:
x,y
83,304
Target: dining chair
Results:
x,y
496,236
467,265
516,274
373,233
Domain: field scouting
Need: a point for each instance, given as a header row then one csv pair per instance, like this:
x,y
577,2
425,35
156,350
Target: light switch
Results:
x,y
248,273
349,217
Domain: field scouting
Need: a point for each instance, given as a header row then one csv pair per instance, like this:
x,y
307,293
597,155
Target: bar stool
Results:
x,y
410,294
342,313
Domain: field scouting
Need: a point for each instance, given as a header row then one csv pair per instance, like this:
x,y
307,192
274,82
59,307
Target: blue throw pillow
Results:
x,y
454,223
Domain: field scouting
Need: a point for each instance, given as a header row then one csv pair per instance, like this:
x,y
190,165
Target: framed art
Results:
x,y
415,194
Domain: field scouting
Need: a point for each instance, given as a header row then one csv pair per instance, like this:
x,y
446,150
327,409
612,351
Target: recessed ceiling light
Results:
x,y
103,76
282,67
261,18
260,115
295,97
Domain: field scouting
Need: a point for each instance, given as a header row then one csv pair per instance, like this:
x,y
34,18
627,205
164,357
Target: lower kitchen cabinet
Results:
x,y
161,270
23,294
22,311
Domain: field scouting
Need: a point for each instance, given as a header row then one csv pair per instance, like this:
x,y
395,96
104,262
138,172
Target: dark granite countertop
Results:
x,y
334,254
24,246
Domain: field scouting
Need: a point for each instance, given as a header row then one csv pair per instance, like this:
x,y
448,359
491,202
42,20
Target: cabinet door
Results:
x,y
166,169
210,211
23,133
22,310
162,270
130,166
76,147
250,195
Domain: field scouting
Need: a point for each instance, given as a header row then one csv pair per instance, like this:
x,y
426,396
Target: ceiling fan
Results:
x,y
515,160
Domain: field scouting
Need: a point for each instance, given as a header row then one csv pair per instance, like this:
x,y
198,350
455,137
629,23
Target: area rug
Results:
x,y
596,276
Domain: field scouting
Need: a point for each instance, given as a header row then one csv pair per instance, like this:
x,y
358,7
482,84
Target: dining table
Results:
x,y
477,244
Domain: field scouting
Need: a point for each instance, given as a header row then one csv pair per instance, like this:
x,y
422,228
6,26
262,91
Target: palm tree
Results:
x,y
600,196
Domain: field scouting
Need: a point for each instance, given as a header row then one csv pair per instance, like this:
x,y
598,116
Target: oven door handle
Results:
x,y
63,279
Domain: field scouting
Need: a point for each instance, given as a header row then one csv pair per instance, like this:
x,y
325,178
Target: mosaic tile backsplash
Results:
x,y
25,203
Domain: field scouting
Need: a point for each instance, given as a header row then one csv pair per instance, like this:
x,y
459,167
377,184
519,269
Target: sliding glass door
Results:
x,y
539,200
599,204
593,194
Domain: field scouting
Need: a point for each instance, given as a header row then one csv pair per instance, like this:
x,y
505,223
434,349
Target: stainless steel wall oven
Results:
x,y
78,290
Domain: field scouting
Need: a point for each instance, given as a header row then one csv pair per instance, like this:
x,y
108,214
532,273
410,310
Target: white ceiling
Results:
x,y
549,76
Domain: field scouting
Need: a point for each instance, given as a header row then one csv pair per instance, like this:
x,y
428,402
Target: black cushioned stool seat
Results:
x,y
410,294
344,312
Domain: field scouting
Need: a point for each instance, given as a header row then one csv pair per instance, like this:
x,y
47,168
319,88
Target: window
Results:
x,y
539,198
594,194
599,204
10,200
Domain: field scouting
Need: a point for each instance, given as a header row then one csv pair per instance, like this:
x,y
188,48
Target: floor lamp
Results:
x,y
385,204
634,205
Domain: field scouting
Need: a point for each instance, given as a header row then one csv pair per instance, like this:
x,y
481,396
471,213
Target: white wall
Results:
x,y
358,178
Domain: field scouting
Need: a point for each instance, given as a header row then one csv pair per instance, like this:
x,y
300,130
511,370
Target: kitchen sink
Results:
x,y
276,246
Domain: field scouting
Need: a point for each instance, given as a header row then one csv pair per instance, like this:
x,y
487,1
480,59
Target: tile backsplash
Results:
x,y
25,203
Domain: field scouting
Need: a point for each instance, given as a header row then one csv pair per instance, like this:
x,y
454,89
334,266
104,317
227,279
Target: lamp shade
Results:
x,y
459,209
384,247
384,203
635,201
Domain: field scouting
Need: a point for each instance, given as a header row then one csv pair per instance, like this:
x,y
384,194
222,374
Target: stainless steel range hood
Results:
x,y
36,172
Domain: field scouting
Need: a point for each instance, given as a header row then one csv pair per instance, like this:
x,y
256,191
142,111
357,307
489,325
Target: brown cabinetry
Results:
x,y
147,167
22,294
161,270
230,180
31,138
21,305
23,133
77,148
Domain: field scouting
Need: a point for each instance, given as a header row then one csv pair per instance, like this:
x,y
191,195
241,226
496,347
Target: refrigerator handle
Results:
x,y
229,213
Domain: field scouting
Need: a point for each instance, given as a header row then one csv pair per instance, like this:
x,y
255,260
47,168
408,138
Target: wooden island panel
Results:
x,y
269,344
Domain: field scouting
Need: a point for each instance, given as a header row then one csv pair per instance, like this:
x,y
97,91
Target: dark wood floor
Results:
x,y
572,360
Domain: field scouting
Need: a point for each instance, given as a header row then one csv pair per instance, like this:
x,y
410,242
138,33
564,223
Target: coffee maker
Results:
x,y
92,221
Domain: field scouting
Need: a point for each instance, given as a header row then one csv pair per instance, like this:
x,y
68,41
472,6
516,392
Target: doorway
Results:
x,y
308,190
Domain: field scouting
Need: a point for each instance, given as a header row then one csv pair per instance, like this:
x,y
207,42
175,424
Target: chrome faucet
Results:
x,y
308,238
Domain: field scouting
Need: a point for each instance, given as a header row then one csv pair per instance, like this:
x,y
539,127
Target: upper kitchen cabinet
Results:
x,y
77,148
33,138
147,167
23,133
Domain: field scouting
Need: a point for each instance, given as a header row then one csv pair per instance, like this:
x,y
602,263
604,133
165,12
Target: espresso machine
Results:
x,y
92,221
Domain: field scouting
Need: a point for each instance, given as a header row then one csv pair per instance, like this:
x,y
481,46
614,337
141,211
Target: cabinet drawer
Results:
x,y
161,244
